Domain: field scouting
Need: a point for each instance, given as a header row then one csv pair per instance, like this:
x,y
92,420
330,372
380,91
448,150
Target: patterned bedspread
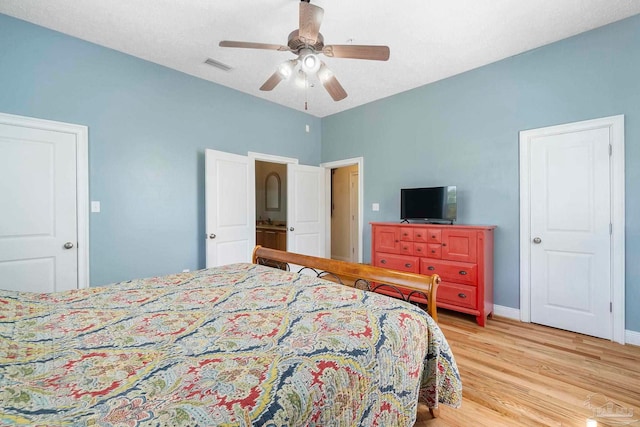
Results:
x,y
238,345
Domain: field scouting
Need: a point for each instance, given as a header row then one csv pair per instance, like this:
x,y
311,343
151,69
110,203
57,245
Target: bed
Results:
x,y
238,345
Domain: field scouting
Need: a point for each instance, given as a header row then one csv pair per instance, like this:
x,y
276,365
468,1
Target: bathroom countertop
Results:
x,y
271,227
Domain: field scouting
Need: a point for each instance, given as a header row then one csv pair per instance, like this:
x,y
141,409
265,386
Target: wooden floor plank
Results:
x,y
522,374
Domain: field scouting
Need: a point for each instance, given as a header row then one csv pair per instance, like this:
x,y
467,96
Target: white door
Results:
x,y
230,208
38,214
305,210
354,225
570,215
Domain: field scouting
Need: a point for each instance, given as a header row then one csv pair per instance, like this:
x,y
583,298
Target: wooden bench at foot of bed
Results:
x,y
362,276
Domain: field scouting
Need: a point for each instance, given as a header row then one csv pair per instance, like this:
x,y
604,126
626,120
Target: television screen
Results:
x,y
429,204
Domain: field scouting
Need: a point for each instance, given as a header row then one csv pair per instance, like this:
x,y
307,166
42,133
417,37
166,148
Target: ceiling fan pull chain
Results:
x,y
306,91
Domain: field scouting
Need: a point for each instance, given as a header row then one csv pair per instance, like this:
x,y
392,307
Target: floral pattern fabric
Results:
x,y
238,345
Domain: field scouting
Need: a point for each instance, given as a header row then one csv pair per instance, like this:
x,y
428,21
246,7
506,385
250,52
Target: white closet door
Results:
x,y
38,218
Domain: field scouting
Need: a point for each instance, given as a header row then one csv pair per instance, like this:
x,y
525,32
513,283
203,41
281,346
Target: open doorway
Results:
x,y
344,213
344,183
271,204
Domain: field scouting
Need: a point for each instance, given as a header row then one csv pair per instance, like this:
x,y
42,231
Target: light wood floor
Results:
x,y
520,374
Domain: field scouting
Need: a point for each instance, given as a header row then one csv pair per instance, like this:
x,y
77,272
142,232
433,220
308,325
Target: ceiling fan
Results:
x,y
306,43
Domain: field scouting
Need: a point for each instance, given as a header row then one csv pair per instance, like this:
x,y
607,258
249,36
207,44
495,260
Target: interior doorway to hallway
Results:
x,y
344,219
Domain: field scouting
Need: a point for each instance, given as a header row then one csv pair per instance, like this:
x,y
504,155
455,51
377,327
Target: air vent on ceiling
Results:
x,y
217,64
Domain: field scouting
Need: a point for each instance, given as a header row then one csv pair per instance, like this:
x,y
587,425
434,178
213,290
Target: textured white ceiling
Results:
x,y
429,40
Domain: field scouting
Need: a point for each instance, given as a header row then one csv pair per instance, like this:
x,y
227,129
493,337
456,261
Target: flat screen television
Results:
x,y
430,204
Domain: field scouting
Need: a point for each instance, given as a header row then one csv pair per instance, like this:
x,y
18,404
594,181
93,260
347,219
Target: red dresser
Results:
x,y
461,254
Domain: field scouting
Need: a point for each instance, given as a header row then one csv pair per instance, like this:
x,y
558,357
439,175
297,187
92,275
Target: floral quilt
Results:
x,y
238,345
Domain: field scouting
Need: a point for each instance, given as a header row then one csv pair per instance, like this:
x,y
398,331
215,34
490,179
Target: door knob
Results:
x,y
212,236
68,245
537,240
291,229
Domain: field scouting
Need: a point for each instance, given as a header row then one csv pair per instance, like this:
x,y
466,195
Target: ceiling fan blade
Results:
x,y
252,45
330,83
376,53
310,20
272,81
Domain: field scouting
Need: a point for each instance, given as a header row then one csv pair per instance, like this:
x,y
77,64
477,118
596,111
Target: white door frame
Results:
x,y
338,164
271,158
81,134
352,243
616,132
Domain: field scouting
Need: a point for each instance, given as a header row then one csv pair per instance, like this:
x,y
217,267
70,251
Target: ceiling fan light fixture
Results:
x,y
286,68
310,61
324,74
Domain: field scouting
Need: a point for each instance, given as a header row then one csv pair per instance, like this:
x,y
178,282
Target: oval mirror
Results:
x,y
272,192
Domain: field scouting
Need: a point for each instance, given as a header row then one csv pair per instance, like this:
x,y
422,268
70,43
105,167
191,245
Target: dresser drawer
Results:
x,y
434,250
420,235
406,234
398,262
451,271
406,248
420,249
434,235
460,295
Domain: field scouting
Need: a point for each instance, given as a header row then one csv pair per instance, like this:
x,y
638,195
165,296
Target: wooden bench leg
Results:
x,y
434,412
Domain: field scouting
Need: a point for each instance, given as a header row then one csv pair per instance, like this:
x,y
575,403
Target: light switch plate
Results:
x,y
375,207
95,206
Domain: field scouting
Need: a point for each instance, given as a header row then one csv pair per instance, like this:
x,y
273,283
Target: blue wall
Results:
x,y
148,129
464,131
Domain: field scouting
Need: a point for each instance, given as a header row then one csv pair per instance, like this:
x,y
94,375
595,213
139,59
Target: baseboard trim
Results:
x,y
630,337
508,312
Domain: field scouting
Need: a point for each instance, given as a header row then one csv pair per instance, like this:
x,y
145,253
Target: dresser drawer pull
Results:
x,y
419,249
405,234
433,236
383,261
408,265
444,244
461,295
418,235
431,268
462,272
404,248
433,252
